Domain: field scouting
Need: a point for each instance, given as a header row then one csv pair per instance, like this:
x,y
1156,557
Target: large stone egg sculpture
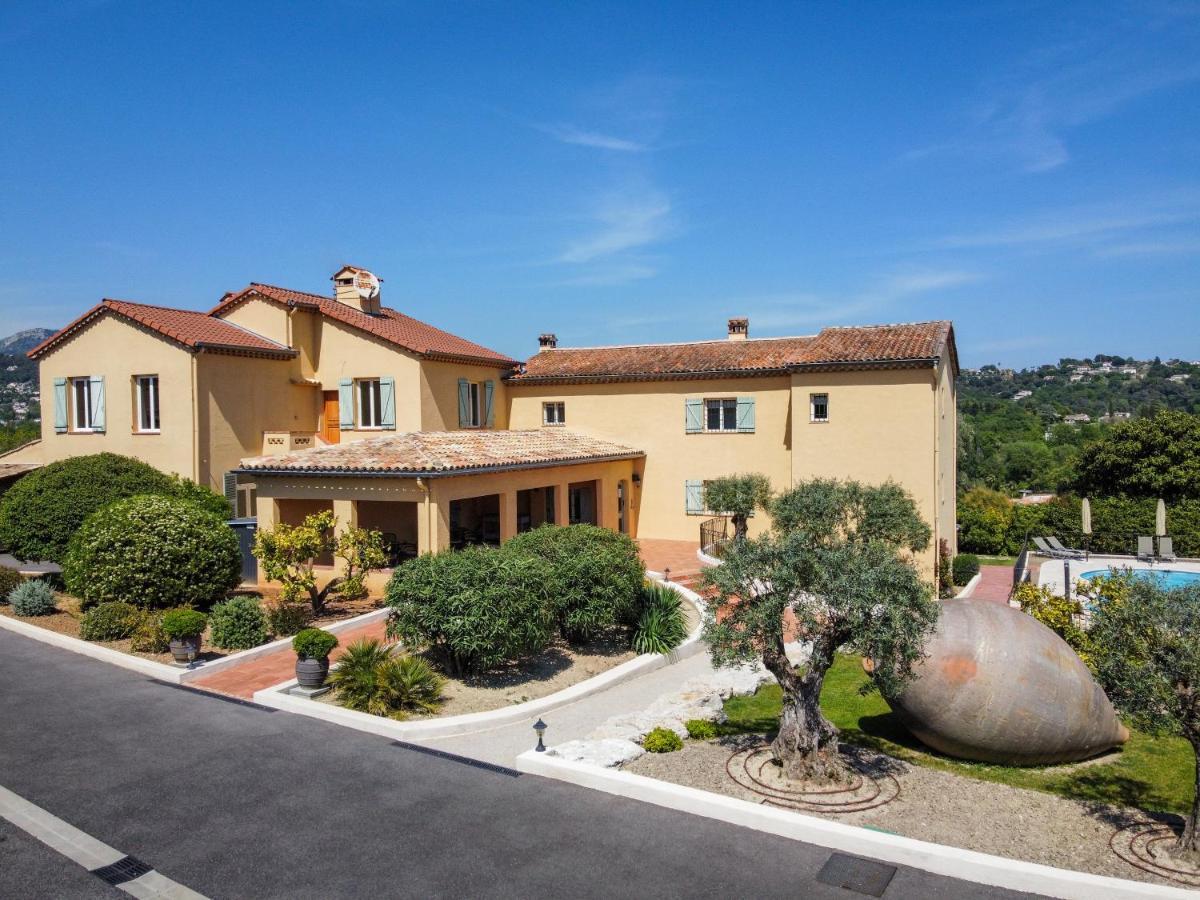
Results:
x,y
998,686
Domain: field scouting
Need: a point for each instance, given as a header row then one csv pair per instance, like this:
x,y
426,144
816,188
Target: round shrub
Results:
x,y
965,567
183,623
238,624
155,552
9,579
594,574
285,617
313,643
473,609
662,740
32,598
110,621
149,636
701,729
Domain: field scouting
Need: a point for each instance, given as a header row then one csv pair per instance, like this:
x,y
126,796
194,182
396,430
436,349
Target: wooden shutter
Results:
x,y
387,403
230,486
60,405
489,390
745,414
346,404
97,402
693,413
464,403
694,497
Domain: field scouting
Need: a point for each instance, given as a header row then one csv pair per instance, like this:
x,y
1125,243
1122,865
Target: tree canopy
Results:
x,y
1155,457
738,496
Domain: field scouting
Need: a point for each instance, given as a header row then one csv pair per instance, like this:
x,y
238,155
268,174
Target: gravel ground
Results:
x,y
946,809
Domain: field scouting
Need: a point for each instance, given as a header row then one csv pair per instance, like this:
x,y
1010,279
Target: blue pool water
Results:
x,y
1167,578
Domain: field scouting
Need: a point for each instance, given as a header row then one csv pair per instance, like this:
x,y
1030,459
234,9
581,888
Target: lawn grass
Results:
x,y
997,560
1150,773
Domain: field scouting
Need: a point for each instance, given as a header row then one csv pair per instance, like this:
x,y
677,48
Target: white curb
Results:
x,y
969,586
953,862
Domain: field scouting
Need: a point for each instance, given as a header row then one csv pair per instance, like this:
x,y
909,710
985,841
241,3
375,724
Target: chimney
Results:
x,y
357,288
739,329
547,341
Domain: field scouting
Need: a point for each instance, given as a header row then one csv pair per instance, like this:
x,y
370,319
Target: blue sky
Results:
x,y
615,173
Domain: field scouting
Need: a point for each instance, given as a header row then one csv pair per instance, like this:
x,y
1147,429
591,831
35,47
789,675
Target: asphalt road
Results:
x,y
236,801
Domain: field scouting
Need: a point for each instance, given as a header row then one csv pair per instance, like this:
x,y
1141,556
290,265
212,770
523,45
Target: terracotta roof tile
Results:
x,y
390,325
871,345
431,453
192,329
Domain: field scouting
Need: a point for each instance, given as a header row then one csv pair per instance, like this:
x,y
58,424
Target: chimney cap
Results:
x,y
548,341
739,327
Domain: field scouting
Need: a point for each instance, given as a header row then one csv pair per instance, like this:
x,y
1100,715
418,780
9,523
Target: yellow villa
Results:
x,y
292,402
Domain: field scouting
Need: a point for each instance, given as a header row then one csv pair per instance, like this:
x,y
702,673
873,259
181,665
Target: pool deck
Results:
x,y
1052,573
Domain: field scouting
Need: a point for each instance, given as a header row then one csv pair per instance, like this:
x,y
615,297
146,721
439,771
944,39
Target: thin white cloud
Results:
x,y
569,134
608,275
626,222
1183,247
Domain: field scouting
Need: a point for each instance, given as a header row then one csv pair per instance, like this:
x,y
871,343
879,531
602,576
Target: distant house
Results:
x,y
1178,379
1077,419
1021,395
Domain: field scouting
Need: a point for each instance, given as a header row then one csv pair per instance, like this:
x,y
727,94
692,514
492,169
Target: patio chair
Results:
x,y
1166,549
1046,550
1066,551
1145,549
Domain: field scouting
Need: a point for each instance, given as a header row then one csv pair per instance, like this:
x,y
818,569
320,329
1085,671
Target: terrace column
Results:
x,y
561,507
508,515
346,512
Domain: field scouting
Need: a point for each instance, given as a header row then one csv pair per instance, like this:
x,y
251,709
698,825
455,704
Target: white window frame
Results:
x,y
155,409
554,413
370,413
726,405
475,404
812,408
76,408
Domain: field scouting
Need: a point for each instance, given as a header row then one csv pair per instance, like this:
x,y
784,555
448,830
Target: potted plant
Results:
x,y
183,628
313,646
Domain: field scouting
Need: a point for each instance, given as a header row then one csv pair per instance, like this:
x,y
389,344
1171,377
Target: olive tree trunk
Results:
x,y
806,746
740,526
1189,840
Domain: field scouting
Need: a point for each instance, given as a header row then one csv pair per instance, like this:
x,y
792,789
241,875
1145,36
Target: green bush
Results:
x,y
593,573
32,598
183,623
313,643
41,512
239,623
198,495
662,740
985,518
155,552
473,609
965,567
370,679
149,636
284,618
700,729
660,625
110,621
9,579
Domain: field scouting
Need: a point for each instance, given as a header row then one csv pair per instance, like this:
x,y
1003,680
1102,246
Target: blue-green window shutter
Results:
x,y
489,390
97,402
346,404
387,403
60,405
694,495
464,403
693,410
745,414
230,485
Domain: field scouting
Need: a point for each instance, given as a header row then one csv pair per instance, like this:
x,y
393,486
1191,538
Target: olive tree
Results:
x,y
1145,649
838,562
738,496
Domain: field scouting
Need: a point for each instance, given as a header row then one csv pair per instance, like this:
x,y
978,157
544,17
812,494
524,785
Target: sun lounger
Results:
x,y
1145,548
1056,544
1046,550
1166,550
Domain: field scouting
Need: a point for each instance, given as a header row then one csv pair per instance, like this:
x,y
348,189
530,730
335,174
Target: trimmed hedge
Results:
x,y
154,552
594,574
965,567
41,512
239,623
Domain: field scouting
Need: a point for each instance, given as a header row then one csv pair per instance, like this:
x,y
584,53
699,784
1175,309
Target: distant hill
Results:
x,y
22,341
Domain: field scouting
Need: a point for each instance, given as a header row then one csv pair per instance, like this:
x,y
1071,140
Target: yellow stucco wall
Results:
x,y
649,416
439,394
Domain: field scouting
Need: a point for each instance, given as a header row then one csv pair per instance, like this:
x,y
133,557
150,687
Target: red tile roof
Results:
x,y
432,453
869,346
394,327
189,328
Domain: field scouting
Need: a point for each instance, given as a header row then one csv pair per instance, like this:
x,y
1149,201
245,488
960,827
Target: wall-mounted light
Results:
x,y
637,479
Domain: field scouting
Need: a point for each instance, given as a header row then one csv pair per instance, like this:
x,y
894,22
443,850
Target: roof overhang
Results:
x,y
437,473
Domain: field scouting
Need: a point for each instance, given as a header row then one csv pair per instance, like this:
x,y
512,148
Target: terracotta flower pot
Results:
x,y
311,673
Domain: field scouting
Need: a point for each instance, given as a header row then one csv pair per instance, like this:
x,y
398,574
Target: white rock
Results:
x,y
603,753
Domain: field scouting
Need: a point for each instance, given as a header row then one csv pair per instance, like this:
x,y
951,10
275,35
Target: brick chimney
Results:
x,y
739,329
547,341
357,288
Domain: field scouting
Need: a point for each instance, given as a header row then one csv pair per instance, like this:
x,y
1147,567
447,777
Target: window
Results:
x,y
475,399
81,404
370,403
473,407
818,407
554,413
146,403
721,415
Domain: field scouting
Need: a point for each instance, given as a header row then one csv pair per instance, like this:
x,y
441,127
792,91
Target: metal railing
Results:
x,y
715,536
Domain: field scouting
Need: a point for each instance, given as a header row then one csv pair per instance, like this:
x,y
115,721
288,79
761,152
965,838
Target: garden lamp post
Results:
x,y
540,727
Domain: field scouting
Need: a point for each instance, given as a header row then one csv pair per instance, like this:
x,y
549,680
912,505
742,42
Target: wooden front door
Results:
x,y
331,429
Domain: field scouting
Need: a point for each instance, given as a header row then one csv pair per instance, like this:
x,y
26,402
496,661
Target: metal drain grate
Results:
x,y
864,876
124,869
454,757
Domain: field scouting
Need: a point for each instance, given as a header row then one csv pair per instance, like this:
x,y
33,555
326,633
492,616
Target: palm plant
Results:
x,y
369,679
355,679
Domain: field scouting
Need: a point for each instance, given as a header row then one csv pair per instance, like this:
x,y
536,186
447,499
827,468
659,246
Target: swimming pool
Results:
x,y
1167,578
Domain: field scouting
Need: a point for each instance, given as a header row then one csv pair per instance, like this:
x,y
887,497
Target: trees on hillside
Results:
x,y
1155,457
